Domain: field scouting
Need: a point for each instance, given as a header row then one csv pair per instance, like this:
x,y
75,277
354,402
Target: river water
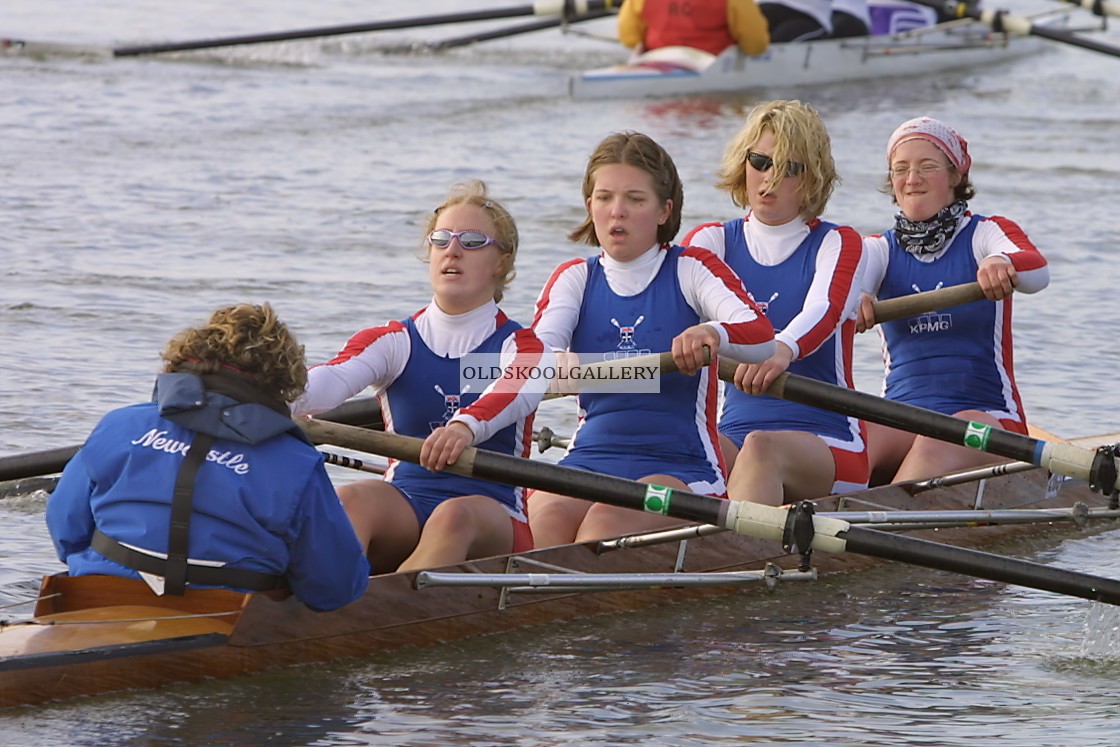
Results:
x,y
138,194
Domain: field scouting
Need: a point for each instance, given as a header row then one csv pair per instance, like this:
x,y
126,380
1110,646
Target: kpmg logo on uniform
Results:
x,y
567,373
933,322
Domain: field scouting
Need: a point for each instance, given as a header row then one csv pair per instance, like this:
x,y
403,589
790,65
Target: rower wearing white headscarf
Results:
x,y
957,361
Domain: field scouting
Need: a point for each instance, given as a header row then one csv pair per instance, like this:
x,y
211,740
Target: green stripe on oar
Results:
x,y
1002,21
364,412
749,519
1099,468
539,8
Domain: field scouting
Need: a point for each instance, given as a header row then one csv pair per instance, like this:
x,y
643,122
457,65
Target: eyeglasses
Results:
x,y
469,239
759,162
924,170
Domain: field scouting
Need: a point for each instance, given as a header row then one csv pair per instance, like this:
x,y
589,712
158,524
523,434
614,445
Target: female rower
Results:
x,y
802,271
959,361
418,516
211,483
641,295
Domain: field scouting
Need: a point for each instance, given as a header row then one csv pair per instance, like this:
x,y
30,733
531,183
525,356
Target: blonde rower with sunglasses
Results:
x,y
802,271
421,369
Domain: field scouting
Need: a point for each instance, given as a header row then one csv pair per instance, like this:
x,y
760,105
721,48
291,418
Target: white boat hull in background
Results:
x,y
675,71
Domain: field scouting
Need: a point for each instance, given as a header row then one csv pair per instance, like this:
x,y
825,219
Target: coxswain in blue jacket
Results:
x,y
262,512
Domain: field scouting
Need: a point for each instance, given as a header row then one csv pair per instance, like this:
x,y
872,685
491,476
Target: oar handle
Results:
x,y
904,307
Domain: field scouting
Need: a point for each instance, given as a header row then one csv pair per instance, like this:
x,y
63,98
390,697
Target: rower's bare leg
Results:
x,y
778,467
470,526
555,519
604,521
930,457
886,448
729,449
384,521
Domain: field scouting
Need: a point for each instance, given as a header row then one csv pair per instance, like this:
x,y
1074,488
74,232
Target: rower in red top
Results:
x,y
708,25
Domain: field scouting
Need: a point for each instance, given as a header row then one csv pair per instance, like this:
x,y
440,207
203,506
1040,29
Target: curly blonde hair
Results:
x,y
475,193
248,338
643,152
799,136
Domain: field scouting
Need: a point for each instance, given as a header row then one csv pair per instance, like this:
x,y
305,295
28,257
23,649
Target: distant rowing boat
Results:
x,y
671,71
98,634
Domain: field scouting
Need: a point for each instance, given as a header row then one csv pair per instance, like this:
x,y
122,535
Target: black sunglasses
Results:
x,y
760,162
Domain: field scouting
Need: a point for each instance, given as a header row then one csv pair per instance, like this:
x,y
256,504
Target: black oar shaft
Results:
x,y
1098,7
748,519
36,463
540,8
1100,470
1097,468
526,28
365,412
935,425
488,465
1002,21
995,567
1067,37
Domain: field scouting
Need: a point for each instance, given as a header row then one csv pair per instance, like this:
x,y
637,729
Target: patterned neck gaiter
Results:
x,y
929,236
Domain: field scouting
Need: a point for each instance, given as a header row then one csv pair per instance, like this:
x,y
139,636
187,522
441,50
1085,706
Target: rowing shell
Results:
x,y
672,71
96,634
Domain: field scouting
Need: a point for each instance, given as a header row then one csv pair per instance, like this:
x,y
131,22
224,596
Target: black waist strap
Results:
x,y
237,578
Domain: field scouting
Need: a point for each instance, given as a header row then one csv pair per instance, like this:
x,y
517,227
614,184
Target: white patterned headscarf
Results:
x,y
937,132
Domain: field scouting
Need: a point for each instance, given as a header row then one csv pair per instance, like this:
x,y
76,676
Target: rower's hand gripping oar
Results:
x,y
1098,468
797,529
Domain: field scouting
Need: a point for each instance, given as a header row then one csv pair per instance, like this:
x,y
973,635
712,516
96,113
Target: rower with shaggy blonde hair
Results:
x,y
803,272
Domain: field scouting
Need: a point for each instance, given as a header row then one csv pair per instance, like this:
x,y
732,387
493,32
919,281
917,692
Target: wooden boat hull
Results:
x,y
98,634
921,52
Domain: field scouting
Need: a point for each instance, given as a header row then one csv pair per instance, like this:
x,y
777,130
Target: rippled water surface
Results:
x,y
138,194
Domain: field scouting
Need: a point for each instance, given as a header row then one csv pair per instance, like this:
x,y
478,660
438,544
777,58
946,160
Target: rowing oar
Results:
x,y
538,8
525,28
797,529
365,412
1097,7
1097,467
926,301
1002,21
